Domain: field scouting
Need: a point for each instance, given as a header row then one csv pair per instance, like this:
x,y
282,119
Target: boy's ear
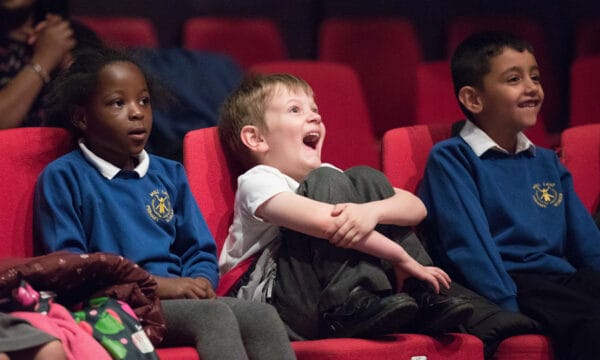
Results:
x,y
78,118
470,99
253,138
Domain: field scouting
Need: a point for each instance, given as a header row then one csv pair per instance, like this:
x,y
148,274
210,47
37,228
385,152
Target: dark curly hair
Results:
x,y
74,86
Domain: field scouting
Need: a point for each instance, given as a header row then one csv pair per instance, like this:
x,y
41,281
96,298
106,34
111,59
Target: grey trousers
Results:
x,y
314,276
227,328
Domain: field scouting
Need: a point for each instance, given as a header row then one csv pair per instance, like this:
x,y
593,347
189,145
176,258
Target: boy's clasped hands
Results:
x,y
356,221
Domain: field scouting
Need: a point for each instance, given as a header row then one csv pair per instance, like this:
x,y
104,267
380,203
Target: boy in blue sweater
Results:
x,y
110,196
503,217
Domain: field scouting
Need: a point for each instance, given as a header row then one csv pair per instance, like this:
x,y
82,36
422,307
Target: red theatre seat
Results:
x,y
580,147
585,87
248,41
350,136
405,152
24,153
122,31
213,181
435,94
385,53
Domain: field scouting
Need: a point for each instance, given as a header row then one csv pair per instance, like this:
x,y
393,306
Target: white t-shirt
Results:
x,y
249,235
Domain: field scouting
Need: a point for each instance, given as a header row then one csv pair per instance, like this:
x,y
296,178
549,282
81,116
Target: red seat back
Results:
x,y
585,87
23,155
405,152
581,155
247,41
350,137
435,94
385,54
212,180
122,31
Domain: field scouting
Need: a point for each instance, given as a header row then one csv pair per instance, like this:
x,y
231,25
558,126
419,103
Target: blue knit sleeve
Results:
x,y
583,236
457,227
194,242
57,223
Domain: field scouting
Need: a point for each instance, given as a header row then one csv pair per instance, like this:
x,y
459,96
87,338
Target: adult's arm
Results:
x,y
53,43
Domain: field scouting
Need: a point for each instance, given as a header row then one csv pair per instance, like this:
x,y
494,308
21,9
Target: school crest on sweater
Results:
x,y
160,207
545,195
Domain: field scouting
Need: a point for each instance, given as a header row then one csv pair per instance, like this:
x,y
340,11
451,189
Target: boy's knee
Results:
x,y
365,174
371,183
328,185
324,174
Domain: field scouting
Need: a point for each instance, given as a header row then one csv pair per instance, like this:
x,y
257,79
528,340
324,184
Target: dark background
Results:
x,y
299,21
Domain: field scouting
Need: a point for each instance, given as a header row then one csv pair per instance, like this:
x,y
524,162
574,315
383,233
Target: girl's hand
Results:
x,y
184,288
354,222
435,276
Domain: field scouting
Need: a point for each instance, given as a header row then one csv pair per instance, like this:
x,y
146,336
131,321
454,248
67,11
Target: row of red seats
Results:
x,y
400,88
213,32
27,150
351,141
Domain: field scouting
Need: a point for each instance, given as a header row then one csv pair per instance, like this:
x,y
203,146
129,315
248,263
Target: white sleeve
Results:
x,y
261,183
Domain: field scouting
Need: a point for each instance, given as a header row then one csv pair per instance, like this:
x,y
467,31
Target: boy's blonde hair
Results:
x,y
247,106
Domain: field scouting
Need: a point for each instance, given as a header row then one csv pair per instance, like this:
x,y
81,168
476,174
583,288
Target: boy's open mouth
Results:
x,y
529,103
311,139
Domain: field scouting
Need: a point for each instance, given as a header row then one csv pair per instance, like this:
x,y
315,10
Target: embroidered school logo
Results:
x,y
160,206
545,195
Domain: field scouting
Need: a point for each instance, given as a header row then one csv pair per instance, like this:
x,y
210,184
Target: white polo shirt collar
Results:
x,y
107,169
480,142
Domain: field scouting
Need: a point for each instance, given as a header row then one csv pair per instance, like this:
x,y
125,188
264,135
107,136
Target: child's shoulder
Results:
x,y
454,144
164,167
264,178
67,161
164,162
261,171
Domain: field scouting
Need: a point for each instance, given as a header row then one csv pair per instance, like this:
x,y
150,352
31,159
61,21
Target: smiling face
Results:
x,y
512,94
117,119
294,133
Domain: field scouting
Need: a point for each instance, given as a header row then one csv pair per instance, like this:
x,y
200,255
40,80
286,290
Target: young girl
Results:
x,y
111,196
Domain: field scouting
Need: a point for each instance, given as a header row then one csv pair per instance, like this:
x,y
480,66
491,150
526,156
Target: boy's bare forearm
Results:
x,y
402,209
315,218
378,245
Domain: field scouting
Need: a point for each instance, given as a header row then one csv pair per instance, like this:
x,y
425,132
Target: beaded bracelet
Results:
x,y
38,69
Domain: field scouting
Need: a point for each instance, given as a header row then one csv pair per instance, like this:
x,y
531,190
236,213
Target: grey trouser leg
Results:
x,y
314,276
227,328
